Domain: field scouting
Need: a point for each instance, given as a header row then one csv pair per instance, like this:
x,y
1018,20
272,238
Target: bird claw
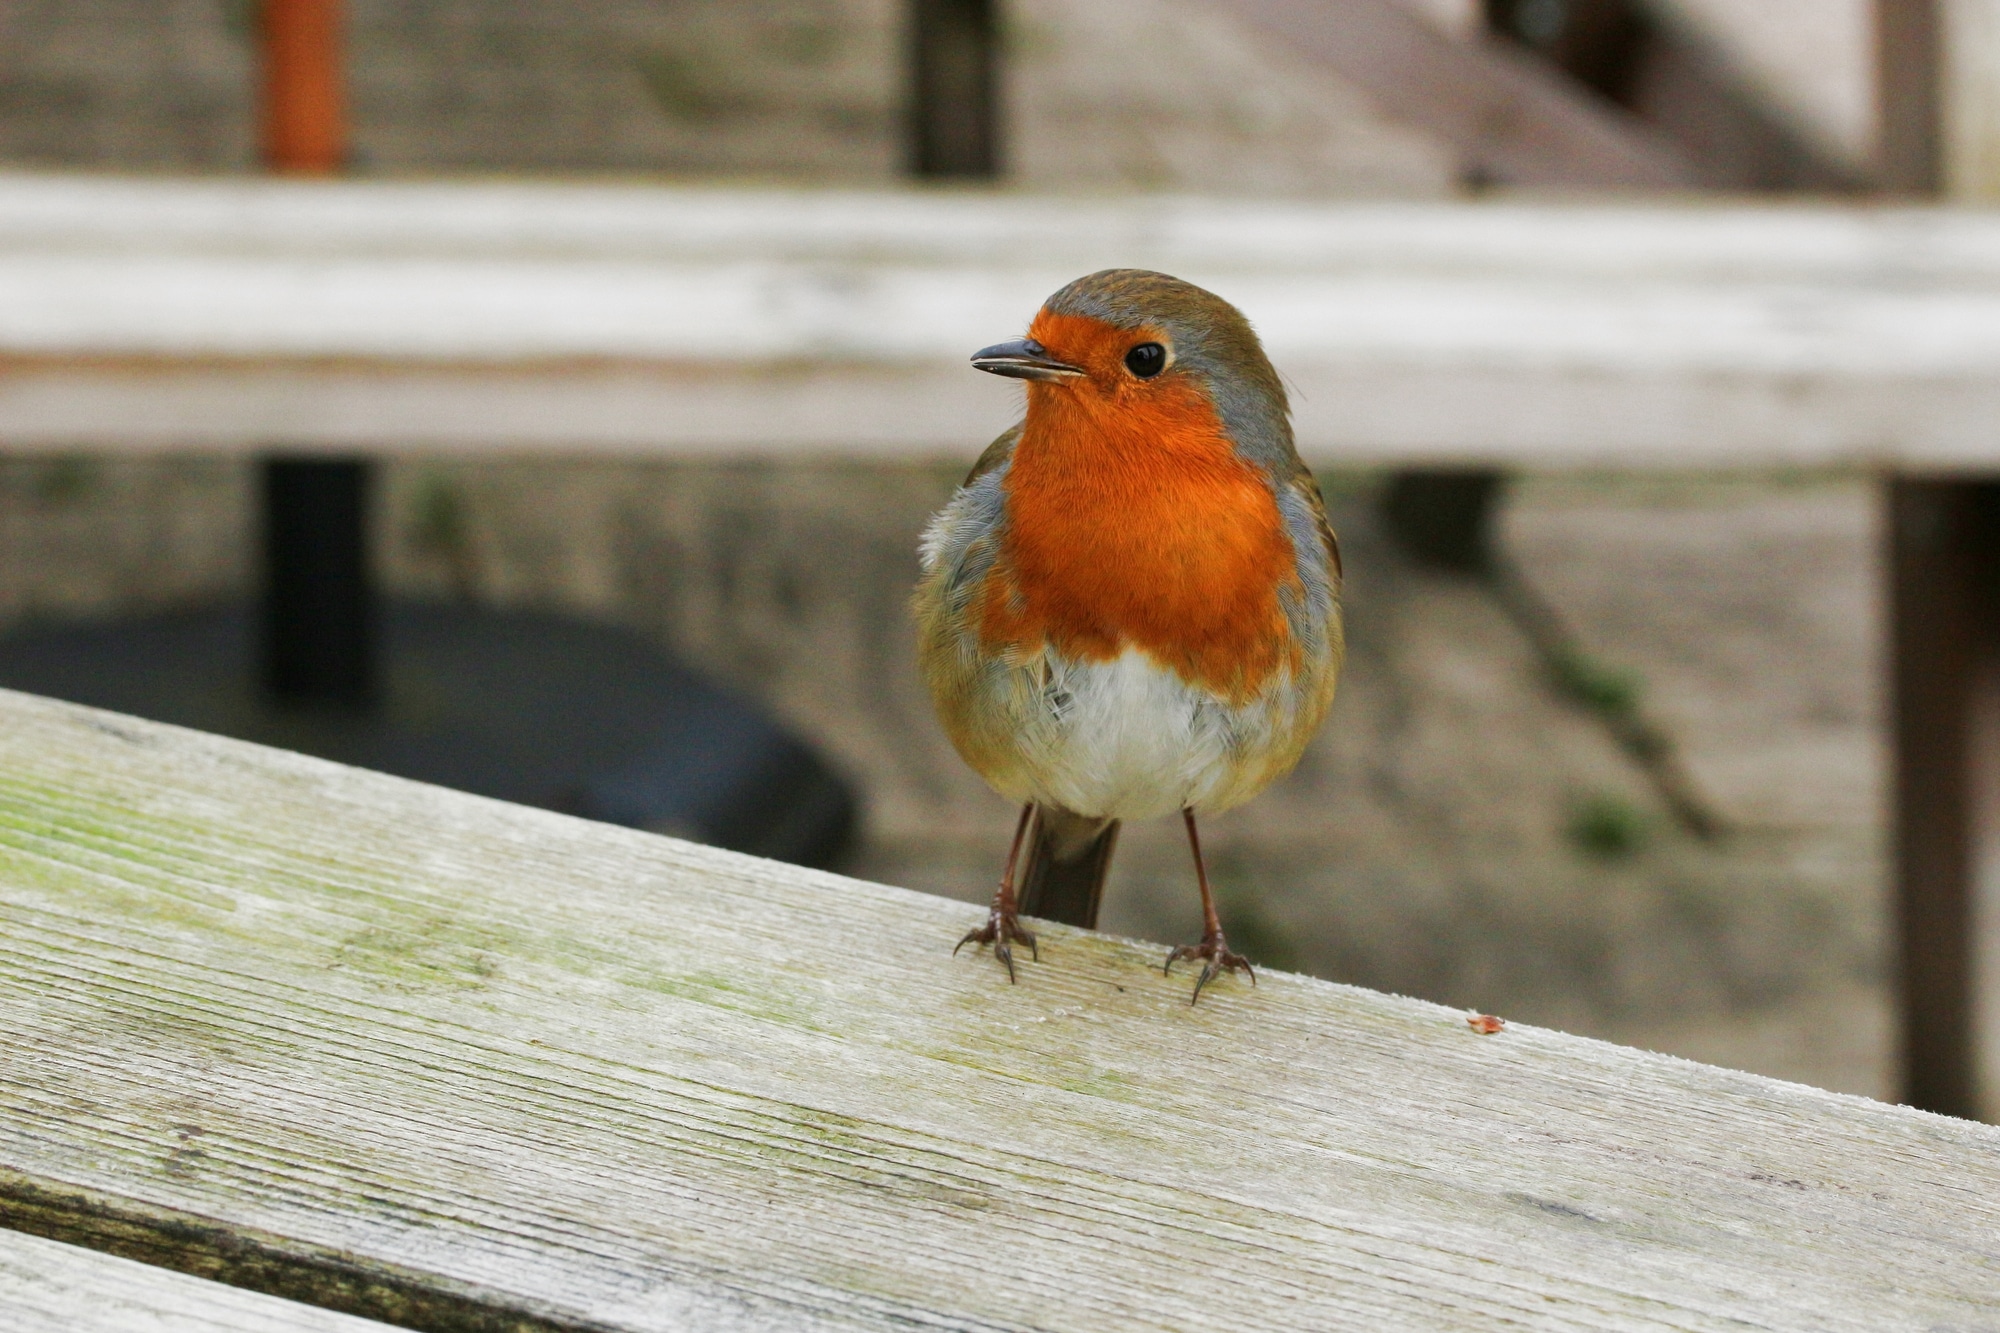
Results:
x,y
1000,930
1217,958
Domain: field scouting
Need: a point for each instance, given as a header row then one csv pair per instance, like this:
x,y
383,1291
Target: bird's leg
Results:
x,y
1002,927
1213,950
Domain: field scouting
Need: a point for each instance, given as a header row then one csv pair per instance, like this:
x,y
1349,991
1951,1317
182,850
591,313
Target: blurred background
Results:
x,y
1613,752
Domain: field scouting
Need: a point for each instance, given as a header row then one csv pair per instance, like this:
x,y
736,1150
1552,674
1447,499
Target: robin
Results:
x,y
1132,605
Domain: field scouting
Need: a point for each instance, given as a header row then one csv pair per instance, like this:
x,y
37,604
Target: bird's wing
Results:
x,y
958,552
1305,486
1312,606
960,544
999,452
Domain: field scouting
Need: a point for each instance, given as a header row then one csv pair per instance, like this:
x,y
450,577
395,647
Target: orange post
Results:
x,y
304,111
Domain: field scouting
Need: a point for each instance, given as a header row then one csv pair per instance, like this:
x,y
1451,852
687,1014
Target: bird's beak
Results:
x,y
1023,359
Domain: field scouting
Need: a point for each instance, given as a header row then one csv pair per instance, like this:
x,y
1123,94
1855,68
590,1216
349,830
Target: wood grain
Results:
x,y
49,1287
466,1065
162,316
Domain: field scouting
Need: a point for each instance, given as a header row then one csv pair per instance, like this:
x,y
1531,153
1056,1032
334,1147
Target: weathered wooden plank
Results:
x,y
239,315
50,1287
1395,414
417,1054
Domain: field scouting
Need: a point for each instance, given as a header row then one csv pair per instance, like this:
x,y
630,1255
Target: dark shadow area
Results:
x,y
528,707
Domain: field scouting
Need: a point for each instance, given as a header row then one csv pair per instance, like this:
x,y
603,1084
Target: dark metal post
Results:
x,y
1941,559
954,85
318,625
1943,639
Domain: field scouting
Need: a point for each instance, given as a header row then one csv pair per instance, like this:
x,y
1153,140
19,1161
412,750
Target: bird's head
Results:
x,y
1135,344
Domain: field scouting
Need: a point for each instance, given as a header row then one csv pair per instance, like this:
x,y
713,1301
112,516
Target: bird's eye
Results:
x,y
1146,360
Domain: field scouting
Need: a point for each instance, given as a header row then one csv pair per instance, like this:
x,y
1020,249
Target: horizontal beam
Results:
x,y
1358,415
342,316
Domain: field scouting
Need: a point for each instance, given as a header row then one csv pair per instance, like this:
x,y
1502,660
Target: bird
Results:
x,y
1131,607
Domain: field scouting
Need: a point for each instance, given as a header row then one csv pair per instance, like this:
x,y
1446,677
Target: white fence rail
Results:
x,y
242,314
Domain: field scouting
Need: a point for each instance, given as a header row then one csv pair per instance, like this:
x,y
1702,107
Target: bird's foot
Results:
x,y
1001,930
1217,958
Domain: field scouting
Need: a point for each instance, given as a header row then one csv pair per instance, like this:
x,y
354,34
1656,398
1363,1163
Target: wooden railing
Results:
x,y
241,314
458,1064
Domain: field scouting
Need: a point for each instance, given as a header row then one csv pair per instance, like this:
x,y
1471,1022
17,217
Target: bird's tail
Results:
x,y
1068,856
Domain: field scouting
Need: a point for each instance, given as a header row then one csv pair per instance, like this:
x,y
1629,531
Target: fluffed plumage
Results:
x,y
1131,607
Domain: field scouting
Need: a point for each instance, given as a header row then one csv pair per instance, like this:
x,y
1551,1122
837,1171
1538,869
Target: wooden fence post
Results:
x,y
1937,89
1908,52
954,89
1942,563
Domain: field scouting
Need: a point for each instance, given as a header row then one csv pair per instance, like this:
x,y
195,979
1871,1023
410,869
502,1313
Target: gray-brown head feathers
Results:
x,y
1209,338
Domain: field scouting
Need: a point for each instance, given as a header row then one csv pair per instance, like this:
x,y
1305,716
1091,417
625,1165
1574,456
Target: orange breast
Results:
x,y
1134,523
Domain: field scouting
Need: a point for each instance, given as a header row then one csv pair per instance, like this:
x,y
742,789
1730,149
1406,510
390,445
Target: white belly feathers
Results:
x,y
1128,739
